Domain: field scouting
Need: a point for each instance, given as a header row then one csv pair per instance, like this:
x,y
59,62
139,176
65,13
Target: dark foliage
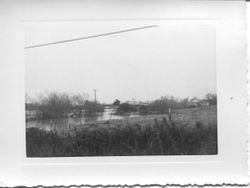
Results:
x,y
126,107
162,138
116,102
211,98
92,107
144,109
163,104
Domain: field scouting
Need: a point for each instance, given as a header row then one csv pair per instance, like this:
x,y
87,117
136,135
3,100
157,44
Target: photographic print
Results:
x,y
121,89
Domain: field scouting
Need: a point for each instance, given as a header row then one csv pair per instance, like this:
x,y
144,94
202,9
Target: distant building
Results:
x,y
195,102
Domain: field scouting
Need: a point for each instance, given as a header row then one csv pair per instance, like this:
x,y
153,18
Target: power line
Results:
x,y
92,36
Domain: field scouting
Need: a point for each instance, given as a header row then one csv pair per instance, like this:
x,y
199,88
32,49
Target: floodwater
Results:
x,y
68,123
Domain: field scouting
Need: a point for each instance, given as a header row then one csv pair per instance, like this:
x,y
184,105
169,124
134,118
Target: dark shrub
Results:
x,y
126,107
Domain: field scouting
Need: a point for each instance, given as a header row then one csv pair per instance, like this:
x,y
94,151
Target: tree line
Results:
x,y
164,103
54,105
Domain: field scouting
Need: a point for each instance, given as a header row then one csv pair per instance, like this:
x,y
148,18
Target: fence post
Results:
x,y
169,115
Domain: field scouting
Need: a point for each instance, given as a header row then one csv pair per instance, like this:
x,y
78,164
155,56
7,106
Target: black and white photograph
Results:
x,y
112,90
123,93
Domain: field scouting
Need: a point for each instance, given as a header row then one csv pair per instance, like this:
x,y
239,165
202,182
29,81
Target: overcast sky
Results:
x,y
140,65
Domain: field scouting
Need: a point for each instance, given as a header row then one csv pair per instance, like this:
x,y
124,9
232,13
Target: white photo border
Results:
x,y
229,166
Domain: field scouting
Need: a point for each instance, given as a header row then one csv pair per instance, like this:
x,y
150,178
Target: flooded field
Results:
x,y
68,123
183,117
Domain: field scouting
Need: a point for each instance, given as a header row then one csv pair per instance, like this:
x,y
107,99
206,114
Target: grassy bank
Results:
x,y
159,137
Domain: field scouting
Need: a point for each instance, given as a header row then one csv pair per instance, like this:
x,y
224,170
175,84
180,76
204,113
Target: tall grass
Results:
x,y
159,138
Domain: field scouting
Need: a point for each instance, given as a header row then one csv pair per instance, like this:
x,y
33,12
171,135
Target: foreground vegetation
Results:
x,y
136,136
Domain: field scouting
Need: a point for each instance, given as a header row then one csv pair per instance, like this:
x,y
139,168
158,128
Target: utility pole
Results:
x,y
95,90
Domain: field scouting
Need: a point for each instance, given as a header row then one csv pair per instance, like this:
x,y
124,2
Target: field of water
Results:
x,y
206,115
67,123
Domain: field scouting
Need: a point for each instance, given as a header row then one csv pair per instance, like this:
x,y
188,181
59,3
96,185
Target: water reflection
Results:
x,y
64,124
